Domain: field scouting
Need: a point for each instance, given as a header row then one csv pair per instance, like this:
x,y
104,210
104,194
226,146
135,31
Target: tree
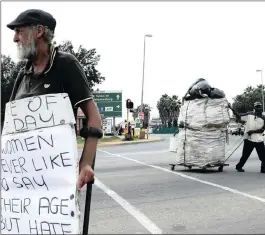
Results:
x,y
88,59
146,114
168,108
244,102
9,72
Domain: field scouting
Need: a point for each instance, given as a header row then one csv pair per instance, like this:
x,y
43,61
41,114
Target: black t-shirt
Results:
x,y
63,74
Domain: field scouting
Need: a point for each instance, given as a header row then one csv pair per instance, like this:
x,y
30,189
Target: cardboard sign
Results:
x,y
39,170
38,112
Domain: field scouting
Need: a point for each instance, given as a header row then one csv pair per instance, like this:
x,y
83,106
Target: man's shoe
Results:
x,y
240,169
262,171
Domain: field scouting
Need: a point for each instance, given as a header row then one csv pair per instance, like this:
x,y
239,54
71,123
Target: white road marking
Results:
x,y
145,152
191,178
136,153
138,215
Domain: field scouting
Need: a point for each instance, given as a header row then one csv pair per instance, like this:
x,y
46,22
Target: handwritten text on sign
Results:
x,y
38,182
37,112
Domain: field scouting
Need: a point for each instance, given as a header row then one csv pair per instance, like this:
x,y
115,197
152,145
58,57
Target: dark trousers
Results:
x,y
247,150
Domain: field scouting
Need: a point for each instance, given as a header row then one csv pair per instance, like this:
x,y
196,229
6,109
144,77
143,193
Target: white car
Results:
x,y
233,128
150,130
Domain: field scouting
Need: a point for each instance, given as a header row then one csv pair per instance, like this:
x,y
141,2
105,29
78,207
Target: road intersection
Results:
x,y
136,192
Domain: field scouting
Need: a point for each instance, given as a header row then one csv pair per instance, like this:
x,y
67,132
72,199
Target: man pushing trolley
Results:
x,y
253,137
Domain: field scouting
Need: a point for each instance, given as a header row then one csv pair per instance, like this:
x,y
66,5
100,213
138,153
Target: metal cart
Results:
x,y
220,165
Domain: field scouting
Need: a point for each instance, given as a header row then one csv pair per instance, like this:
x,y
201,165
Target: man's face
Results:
x,y
258,109
25,37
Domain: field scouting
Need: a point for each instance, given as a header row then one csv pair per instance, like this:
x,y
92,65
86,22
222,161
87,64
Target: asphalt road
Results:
x,y
137,193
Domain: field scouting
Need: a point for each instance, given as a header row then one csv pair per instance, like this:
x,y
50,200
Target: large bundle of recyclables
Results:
x,y
205,115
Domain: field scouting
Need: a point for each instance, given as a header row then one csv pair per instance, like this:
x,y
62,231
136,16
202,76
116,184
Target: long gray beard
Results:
x,y
26,51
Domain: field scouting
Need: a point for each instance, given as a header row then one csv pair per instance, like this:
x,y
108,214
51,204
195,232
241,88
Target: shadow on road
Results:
x,y
198,170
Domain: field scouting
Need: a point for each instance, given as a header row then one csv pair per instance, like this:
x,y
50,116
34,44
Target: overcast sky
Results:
x,y
220,41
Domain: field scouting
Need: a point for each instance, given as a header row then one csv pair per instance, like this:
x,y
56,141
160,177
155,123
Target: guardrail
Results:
x,y
166,130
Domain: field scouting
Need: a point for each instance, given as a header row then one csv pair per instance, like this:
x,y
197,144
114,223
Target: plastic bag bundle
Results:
x,y
216,93
205,113
204,116
201,147
201,89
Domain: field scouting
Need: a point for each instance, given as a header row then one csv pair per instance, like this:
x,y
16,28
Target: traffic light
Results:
x,y
129,104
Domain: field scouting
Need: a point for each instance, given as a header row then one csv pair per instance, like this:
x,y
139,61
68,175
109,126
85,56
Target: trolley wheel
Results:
x,y
190,167
220,168
204,169
172,167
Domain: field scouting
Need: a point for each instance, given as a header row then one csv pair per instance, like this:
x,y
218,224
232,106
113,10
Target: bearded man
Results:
x,y
49,70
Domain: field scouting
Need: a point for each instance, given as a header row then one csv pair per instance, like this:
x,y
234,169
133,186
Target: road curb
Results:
x,y
126,143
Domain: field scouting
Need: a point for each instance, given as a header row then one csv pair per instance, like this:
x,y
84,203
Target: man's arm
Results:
x,y
90,110
77,87
259,131
93,118
240,116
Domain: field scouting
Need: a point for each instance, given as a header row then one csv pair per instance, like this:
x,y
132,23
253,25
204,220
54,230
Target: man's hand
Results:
x,y
230,107
250,132
86,174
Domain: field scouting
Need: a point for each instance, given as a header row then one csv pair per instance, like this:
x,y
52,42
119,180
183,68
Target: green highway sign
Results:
x,y
109,103
137,120
137,123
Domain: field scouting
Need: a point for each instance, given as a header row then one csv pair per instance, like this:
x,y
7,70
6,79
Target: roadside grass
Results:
x,y
81,141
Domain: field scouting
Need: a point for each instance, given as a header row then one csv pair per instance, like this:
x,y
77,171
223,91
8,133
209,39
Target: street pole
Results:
x,y
103,127
114,127
148,117
262,90
127,121
142,95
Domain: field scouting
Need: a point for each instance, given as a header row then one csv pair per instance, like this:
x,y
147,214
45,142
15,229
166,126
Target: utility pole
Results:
x,y
148,118
262,90
142,94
